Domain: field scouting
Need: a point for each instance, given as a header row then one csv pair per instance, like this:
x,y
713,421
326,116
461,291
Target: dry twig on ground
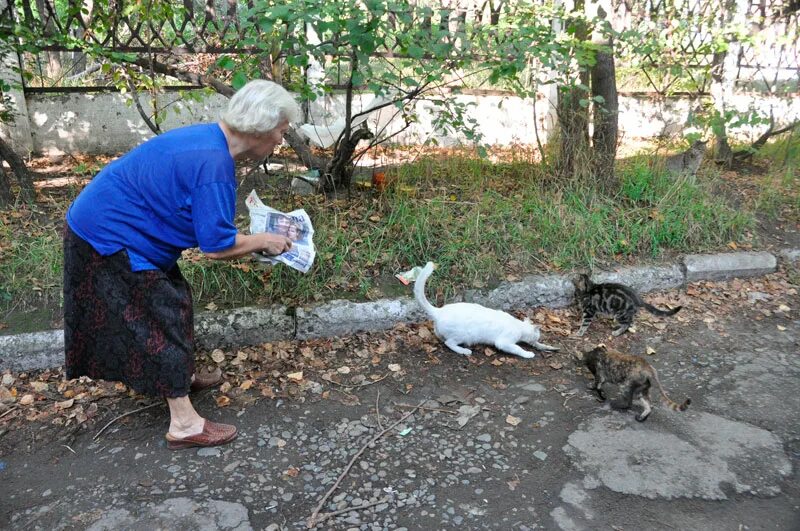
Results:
x,y
112,421
315,517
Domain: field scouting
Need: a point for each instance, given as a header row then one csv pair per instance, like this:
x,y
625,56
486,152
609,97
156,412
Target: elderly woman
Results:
x,y
127,308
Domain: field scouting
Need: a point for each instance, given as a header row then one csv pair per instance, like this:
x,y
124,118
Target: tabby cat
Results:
x,y
687,162
616,300
633,375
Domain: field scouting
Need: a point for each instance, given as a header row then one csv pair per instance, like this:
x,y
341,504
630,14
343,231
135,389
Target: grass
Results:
x,y
779,189
481,222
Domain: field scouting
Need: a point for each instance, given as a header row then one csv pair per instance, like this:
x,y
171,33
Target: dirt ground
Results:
x,y
497,442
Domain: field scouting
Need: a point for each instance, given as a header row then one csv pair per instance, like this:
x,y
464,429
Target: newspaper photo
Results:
x,y
296,225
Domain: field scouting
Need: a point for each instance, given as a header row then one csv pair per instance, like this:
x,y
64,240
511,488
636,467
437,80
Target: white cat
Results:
x,y
465,323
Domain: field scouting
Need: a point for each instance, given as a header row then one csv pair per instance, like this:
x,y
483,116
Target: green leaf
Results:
x,y
226,62
415,51
239,80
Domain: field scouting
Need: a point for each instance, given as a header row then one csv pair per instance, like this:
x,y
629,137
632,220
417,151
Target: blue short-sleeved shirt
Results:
x,y
173,192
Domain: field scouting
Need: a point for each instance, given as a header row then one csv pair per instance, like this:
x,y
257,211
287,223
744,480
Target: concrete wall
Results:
x,y
108,122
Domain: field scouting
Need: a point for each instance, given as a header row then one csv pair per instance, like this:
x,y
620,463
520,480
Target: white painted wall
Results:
x,y
103,123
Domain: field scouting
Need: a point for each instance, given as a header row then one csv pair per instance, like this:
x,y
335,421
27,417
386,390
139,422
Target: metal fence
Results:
x,y
769,58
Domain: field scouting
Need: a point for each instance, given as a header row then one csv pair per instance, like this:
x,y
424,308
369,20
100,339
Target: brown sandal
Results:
x,y
206,379
213,434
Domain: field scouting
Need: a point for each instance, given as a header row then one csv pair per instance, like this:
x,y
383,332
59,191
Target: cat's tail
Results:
x,y
671,403
658,311
419,290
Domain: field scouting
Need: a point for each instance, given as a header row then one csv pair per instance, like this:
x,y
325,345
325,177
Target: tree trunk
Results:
x,y
339,170
606,114
723,75
6,197
573,118
19,170
47,14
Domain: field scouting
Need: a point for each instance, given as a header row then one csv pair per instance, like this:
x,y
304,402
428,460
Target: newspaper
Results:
x,y
295,224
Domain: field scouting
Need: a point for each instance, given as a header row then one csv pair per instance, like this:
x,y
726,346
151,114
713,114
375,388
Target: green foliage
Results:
x,y
481,221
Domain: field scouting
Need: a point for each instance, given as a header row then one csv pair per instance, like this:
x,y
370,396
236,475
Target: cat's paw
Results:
x,y
641,418
527,355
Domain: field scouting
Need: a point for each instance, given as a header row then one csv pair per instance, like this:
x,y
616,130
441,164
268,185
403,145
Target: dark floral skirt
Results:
x,y
120,325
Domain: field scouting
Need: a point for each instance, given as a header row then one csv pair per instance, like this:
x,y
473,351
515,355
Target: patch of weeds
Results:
x,y
480,221
779,194
31,266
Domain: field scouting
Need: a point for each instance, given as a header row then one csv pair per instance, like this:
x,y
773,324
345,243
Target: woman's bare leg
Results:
x,y
183,419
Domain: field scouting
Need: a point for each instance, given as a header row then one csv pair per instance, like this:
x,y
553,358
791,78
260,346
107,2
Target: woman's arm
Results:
x,y
271,244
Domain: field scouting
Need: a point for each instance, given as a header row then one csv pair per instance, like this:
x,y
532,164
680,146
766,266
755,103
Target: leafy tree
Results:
x,y
389,48
7,154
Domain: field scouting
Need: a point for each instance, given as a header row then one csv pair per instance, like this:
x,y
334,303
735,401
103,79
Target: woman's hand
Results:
x,y
263,242
275,244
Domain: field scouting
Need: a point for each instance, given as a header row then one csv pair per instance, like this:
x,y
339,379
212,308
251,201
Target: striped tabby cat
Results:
x,y
633,374
615,300
687,162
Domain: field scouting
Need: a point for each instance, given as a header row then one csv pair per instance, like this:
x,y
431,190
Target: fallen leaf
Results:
x,y
39,387
424,333
496,362
223,401
781,328
295,376
211,306
783,308
510,419
343,370
394,367
650,350
292,472
555,365
218,356
5,395
225,387
247,384
66,404
267,392
26,400
281,443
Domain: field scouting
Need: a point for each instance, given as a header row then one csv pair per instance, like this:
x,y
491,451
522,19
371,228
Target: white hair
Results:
x,y
260,106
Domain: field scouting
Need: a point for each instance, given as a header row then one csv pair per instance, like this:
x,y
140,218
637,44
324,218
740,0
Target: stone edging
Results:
x,y
252,325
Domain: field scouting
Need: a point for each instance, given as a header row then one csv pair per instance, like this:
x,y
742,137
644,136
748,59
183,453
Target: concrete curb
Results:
x,y
729,265
252,325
